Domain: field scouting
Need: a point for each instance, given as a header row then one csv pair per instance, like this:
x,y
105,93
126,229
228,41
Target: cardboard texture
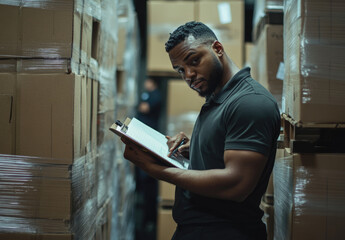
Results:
x,y
107,54
166,225
226,19
23,65
76,46
270,188
121,45
269,54
94,112
308,196
51,116
166,191
178,95
86,42
314,88
35,236
248,47
7,109
163,18
266,12
36,32
44,197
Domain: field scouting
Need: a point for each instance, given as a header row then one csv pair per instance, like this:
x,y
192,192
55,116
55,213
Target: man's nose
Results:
x,y
189,75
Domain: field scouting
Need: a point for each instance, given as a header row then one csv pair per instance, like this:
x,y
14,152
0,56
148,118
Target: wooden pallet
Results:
x,y
313,137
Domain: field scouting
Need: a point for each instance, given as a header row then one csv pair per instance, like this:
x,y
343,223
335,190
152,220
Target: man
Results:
x,y
148,111
232,148
149,107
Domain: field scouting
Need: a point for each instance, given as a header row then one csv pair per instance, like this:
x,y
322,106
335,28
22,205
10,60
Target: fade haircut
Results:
x,y
197,29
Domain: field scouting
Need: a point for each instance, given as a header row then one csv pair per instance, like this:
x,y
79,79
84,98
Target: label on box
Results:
x,y
224,12
280,72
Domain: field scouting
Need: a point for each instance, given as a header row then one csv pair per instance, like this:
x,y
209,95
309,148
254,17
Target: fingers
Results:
x,y
180,139
125,140
184,148
129,153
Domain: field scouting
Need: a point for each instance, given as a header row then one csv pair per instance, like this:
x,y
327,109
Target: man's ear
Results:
x,y
218,48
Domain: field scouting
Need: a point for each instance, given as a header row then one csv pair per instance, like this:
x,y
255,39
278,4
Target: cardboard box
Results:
x,y
35,236
266,12
107,55
47,115
77,25
7,109
94,113
8,65
163,18
121,45
41,198
166,225
166,191
314,89
226,19
268,196
178,95
86,42
270,51
248,47
308,196
38,187
29,31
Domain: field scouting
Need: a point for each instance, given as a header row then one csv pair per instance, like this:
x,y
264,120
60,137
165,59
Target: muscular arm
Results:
x,y
235,182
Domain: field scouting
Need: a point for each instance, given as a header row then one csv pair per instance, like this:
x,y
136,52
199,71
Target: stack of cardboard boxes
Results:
x,y
267,52
57,96
166,226
309,180
265,58
226,18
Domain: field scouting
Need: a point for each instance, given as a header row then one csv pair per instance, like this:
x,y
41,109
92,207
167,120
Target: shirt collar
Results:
x,y
225,91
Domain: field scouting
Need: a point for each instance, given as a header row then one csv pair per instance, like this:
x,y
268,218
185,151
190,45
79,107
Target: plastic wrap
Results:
x,y
35,65
309,196
34,195
42,4
91,192
37,29
313,52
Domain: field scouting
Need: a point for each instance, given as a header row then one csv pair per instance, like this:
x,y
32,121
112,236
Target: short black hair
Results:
x,y
197,29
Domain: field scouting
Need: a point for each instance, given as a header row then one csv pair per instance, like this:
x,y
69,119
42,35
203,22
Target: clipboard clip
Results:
x,y
124,126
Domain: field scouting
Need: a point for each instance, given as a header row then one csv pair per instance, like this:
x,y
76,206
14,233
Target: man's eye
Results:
x,y
195,61
180,71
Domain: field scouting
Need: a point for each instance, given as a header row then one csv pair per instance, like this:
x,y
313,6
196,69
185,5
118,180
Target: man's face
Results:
x,y
198,65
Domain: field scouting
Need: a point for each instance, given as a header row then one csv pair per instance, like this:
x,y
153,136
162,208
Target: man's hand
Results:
x,y
141,158
174,143
144,107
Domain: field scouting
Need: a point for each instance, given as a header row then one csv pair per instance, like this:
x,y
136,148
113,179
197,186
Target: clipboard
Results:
x,y
149,140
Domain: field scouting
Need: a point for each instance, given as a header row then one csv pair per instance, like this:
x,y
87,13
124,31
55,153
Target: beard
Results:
x,y
214,78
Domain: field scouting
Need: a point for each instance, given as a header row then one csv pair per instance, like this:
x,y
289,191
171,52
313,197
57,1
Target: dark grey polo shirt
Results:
x,y
242,116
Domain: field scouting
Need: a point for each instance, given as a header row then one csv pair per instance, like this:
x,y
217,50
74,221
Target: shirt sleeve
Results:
x,y
251,124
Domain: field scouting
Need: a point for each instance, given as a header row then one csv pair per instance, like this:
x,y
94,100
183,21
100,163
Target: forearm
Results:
x,y
215,183
234,182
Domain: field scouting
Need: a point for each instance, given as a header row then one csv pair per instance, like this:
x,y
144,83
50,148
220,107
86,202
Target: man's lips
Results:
x,y
197,84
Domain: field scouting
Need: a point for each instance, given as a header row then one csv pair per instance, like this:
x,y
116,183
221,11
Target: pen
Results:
x,y
181,143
